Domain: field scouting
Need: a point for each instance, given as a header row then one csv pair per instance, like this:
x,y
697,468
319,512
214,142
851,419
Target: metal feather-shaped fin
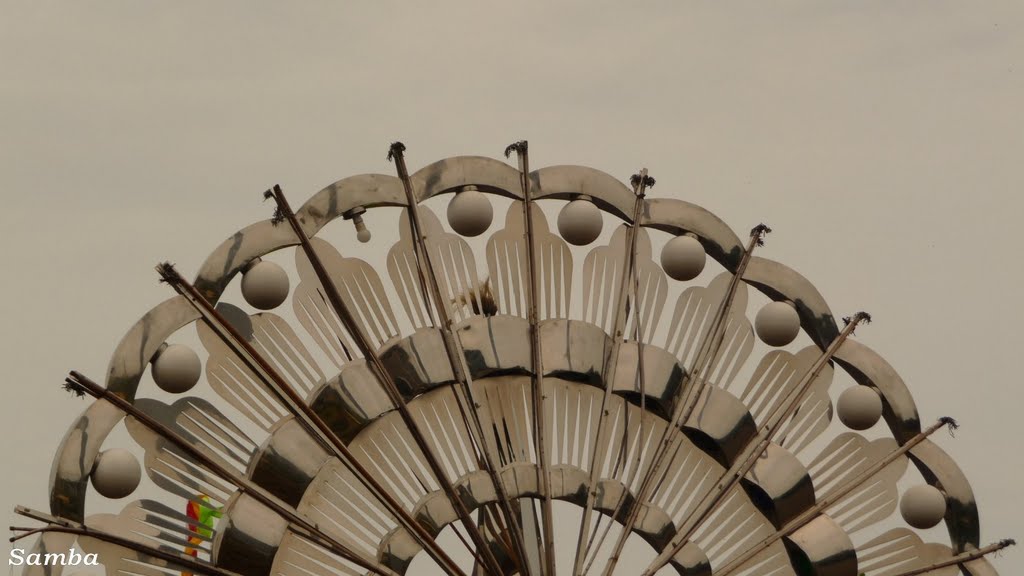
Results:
x,y
151,524
773,561
403,268
299,557
508,268
203,426
692,321
276,341
165,528
900,550
454,267
847,457
237,384
122,561
733,527
343,507
172,470
602,277
774,384
360,288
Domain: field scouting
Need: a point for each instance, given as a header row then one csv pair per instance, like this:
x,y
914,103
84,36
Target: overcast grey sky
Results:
x,y
882,140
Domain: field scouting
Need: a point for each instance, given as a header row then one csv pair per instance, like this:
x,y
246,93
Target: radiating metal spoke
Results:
x,y
640,184
547,545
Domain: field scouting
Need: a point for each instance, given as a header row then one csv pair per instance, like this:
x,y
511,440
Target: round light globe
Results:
x,y
777,324
176,369
265,285
116,474
859,407
580,222
470,213
683,258
923,506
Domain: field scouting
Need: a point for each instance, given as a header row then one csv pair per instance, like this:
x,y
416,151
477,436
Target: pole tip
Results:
x,y
395,150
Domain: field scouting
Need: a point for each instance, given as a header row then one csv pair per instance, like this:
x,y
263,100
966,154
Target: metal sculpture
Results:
x,y
471,394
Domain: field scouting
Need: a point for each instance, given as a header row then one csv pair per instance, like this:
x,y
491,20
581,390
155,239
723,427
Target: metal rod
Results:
x,y
79,383
62,526
766,433
547,544
456,354
838,494
961,558
305,415
640,183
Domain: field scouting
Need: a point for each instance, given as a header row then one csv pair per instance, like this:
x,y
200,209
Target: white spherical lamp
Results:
x,y
923,506
859,407
116,474
683,258
265,285
470,212
777,324
176,369
580,222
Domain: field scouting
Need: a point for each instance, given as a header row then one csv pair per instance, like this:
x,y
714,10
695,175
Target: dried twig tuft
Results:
x,y
278,216
519,147
859,317
759,232
74,387
636,180
951,423
395,149
168,274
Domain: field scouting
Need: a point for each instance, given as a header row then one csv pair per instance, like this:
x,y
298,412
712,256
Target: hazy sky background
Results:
x,y
882,140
